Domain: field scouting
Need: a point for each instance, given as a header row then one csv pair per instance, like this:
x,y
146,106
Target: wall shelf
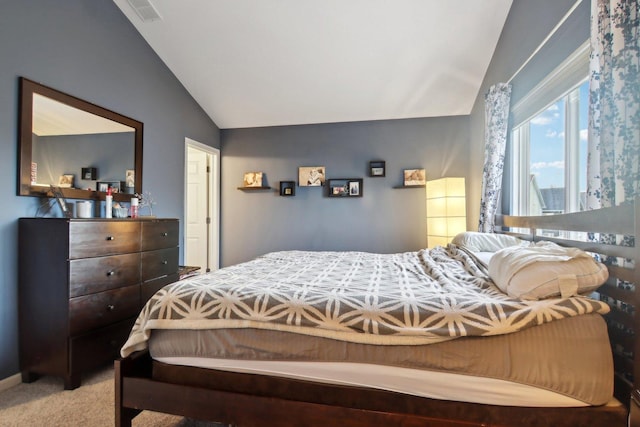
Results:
x,y
262,188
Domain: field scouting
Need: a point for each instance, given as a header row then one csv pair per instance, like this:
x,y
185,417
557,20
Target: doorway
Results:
x,y
202,206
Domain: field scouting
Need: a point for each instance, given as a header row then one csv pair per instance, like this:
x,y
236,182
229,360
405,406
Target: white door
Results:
x,y
201,206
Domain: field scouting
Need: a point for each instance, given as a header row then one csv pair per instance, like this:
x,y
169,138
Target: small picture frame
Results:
x,y
339,191
354,188
130,178
415,177
287,188
311,176
104,186
377,169
252,179
65,181
89,174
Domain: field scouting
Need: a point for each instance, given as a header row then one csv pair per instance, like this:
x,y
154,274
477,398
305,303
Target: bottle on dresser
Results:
x,y
108,204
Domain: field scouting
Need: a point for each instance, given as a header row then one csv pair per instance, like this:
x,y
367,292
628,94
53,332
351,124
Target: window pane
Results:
x,y
584,126
547,160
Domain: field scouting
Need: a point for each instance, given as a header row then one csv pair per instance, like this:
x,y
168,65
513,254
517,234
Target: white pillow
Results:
x,y
545,270
485,242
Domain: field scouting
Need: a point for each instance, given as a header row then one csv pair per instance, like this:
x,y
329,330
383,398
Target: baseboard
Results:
x,y
9,382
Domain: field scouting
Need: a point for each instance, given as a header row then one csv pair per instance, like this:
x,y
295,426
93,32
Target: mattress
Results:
x,y
562,363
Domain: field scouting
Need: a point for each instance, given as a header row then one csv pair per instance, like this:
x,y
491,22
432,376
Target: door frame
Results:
x,y
213,238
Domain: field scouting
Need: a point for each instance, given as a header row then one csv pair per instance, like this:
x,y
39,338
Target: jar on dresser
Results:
x,y
82,283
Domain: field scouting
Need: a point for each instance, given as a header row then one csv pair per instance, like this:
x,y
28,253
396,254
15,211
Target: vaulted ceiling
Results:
x,y
251,63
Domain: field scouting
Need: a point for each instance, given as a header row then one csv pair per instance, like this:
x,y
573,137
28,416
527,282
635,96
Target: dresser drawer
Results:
x,y
92,238
92,311
99,346
91,275
159,263
159,234
148,288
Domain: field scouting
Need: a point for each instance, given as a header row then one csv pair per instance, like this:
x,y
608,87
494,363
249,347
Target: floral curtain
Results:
x,y
613,164
496,111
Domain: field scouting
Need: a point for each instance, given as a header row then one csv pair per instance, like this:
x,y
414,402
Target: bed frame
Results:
x,y
263,401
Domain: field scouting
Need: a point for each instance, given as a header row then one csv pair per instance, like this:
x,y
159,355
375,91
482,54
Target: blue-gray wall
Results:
x,y
90,50
383,220
528,24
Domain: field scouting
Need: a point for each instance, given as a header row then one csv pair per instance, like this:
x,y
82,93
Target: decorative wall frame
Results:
x,y
130,178
252,179
377,169
90,174
66,181
104,186
311,176
345,187
415,178
287,188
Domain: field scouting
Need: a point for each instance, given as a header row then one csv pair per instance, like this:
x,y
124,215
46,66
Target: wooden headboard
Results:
x,y
621,291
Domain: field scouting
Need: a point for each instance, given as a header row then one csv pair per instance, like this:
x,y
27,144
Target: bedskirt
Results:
x,y
562,363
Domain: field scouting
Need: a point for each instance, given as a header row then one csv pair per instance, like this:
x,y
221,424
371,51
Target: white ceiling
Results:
x,y
252,63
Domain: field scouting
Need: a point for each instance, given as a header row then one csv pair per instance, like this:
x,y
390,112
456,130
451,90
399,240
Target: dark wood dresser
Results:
x,y
82,283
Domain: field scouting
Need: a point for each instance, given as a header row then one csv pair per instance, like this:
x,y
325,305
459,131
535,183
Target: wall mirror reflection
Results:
x,y
62,137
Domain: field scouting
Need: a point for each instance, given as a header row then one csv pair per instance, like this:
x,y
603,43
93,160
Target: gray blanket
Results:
x,y
389,299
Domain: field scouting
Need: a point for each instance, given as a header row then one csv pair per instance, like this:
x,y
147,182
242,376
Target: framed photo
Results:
x,y
65,181
90,174
414,177
339,191
130,178
354,188
311,176
252,179
345,187
104,186
377,169
287,188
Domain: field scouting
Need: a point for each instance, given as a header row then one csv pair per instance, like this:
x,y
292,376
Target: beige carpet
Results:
x,y
45,403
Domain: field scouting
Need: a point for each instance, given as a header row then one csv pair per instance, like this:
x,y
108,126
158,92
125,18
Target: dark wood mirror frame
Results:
x,y
27,89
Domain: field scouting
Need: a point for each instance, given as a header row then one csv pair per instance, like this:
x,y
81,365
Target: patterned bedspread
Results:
x,y
390,299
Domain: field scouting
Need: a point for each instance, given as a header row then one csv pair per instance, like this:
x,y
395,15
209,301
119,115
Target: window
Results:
x,y
549,142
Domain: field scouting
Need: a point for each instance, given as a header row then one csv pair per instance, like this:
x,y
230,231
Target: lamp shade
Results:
x,y
446,210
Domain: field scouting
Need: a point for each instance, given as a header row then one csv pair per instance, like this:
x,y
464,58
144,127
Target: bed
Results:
x,y
266,386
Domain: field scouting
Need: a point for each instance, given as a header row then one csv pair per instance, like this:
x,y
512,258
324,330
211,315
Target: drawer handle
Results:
x,y
111,307
111,273
111,238
165,262
165,234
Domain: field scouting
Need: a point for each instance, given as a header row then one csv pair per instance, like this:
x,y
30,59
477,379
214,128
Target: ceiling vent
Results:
x,y
145,10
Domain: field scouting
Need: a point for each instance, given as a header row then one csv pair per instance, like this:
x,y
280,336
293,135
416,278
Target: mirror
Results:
x,y
75,145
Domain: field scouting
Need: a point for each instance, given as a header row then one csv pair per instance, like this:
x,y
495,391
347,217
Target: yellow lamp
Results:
x,y
446,210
